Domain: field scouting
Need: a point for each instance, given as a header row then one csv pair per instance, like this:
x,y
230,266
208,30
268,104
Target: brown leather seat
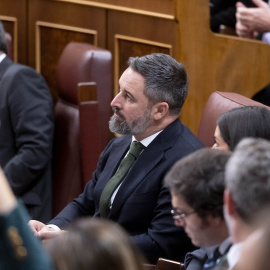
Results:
x,y
217,104
90,131
79,62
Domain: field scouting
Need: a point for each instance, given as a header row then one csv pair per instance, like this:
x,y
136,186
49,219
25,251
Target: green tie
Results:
x,y
104,203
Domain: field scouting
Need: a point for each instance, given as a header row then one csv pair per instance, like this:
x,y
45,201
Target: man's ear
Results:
x,y
229,202
160,109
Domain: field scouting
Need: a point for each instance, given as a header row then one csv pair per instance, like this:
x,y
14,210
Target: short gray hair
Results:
x,y
166,79
247,177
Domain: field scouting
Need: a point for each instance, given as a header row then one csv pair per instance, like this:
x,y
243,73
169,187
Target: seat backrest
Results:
x,y
217,104
90,131
84,62
79,62
165,264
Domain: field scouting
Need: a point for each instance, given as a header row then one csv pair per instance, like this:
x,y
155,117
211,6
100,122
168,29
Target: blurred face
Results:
x,y
132,114
219,142
201,233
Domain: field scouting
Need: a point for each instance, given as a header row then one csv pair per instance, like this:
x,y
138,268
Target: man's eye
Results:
x,y
128,97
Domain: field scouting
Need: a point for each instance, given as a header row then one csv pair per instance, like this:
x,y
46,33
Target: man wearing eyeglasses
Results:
x,y
196,183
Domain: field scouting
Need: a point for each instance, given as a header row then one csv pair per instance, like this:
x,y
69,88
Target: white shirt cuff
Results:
x,y
56,228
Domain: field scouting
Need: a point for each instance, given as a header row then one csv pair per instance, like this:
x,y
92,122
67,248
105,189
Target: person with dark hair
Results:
x,y
146,111
26,133
196,183
247,193
94,244
239,123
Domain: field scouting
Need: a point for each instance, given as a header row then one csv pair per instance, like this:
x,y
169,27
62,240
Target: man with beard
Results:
x,y
152,92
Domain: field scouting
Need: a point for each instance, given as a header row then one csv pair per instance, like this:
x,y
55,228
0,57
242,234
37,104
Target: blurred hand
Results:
x,y
250,21
42,231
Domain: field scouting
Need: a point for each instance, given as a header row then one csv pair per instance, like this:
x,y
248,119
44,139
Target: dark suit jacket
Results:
x,y
15,235
142,205
26,136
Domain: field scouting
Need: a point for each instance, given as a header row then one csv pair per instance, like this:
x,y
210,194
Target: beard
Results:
x,y
136,126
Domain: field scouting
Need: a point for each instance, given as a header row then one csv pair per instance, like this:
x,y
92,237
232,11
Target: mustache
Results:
x,y
117,112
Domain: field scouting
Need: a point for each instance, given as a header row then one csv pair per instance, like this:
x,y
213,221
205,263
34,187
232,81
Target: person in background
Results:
x,y
196,183
223,13
253,21
239,123
26,133
94,244
146,111
247,178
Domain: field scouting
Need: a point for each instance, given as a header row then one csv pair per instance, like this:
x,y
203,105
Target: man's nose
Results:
x,y
116,101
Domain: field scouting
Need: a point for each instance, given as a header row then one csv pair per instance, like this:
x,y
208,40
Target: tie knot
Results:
x,y
136,148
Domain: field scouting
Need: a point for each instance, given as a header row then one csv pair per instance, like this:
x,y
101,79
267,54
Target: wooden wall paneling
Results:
x,y
62,23
14,16
216,62
138,35
47,35
161,8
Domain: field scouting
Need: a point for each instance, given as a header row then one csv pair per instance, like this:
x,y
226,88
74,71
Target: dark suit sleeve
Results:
x,y
85,204
19,248
31,113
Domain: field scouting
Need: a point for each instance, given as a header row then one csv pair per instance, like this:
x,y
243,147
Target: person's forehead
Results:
x,y
179,202
130,76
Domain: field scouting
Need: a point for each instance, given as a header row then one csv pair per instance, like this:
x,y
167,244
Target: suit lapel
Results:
x,y
118,151
146,162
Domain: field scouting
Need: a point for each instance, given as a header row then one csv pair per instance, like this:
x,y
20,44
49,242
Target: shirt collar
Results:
x,y
234,254
2,57
145,142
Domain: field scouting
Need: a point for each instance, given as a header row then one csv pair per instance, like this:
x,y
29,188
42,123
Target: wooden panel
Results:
x,y
47,54
72,15
128,39
49,33
158,8
216,62
13,14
